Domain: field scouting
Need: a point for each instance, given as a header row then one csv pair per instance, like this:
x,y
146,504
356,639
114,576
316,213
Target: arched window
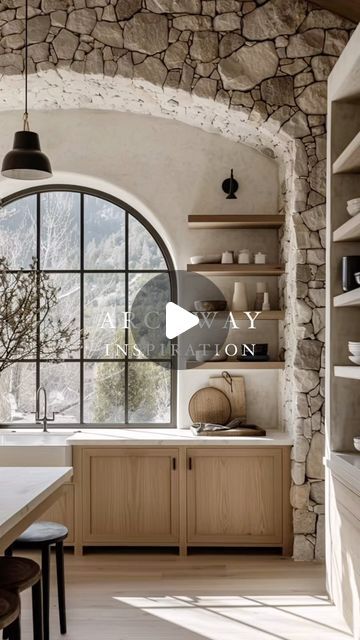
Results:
x,y
99,252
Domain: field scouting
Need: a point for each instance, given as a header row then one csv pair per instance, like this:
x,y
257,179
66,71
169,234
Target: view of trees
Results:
x,y
104,239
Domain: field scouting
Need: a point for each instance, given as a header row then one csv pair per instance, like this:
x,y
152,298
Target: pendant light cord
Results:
x,y
26,115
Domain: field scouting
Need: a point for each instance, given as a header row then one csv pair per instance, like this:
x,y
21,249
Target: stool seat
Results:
x,y
9,608
42,533
18,574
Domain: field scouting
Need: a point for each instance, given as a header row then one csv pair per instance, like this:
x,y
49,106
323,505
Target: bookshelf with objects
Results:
x,y
255,231
342,363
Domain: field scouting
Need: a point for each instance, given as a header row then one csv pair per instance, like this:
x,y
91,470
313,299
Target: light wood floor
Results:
x,y
212,597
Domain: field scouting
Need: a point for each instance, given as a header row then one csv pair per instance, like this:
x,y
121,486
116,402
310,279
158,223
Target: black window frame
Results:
x,y
128,210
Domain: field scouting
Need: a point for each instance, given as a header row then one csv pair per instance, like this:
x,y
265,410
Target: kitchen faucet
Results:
x,y
44,420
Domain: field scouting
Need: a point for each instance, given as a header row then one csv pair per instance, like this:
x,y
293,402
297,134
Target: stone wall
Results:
x,y
255,71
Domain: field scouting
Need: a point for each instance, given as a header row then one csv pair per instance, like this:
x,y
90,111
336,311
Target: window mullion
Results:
x,y
82,308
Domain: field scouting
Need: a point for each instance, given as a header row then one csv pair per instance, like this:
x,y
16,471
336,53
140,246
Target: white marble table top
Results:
x,y
22,489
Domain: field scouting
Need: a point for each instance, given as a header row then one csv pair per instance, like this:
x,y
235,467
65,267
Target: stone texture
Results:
x,y
278,91
320,539
204,46
229,43
151,70
174,6
296,126
318,177
315,218
205,88
146,32
309,43
304,521
306,380
303,549
94,63
38,28
273,19
125,9
299,496
298,472
317,492
192,23
109,33
326,20
335,42
322,66
314,462
175,55
308,354
81,21
248,66
65,44
227,22
313,99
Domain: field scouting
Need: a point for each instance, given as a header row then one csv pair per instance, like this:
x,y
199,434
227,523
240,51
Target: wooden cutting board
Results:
x,y
234,389
210,405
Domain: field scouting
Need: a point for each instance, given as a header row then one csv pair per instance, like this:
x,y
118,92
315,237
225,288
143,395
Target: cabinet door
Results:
x,y
130,496
63,511
234,496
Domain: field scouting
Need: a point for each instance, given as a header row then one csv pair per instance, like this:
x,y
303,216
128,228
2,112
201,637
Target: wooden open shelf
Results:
x,y
218,269
348,299
235,221
349,160
349,371
229,364
276,314
348,231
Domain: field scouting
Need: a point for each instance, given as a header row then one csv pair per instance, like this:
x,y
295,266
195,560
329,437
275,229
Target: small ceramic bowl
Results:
x,y
355,359
353,206
356,441
357,278
210,259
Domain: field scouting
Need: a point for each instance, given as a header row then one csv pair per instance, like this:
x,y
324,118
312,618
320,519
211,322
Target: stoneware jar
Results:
x,y
239,301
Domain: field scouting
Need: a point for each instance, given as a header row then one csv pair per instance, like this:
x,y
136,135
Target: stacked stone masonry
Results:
x,y
264,63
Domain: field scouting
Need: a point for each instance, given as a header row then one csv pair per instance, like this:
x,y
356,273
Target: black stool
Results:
x,y
10,614
16,575
42,536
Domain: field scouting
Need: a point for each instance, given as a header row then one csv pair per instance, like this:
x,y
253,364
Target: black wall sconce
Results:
x,y
230,187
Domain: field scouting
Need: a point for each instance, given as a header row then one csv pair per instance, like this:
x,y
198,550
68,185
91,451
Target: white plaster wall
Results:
x,y
166,170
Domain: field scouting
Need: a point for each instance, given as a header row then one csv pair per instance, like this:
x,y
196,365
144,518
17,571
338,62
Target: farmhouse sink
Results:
x,y
34,449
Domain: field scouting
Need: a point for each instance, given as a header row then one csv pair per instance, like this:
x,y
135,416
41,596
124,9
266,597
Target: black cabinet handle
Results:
x,y
174,464
190,464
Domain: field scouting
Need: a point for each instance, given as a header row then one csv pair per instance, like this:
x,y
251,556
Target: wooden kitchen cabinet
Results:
x,y
130,496
237,497
63,511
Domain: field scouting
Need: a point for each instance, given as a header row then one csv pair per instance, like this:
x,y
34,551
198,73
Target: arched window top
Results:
x,y
98,252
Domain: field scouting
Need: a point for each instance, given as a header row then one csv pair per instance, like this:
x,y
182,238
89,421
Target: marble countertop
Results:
x,y
169,437
25,488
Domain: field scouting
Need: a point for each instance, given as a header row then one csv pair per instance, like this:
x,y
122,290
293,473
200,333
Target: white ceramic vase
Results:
x,y
239,301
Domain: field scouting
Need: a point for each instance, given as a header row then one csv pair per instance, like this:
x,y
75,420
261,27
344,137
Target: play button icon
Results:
x,y
178,320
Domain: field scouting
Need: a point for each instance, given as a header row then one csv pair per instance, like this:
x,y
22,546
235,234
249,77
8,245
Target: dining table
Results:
x,y
25,494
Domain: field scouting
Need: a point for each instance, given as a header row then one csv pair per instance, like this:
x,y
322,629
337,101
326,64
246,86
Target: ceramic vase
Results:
x,y
239,301
266,303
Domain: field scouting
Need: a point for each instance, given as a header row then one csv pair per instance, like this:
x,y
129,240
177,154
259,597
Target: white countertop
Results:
x,y
25,488
169,437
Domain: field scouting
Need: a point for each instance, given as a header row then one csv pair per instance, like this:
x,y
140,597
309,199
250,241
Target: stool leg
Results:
x,y
45,570
14,632
61,585
37,611
8,552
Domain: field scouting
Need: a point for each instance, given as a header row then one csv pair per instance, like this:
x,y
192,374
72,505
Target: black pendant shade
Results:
x,y
26,160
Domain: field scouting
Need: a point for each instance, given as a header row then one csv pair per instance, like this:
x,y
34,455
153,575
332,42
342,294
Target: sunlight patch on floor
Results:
x,y
293,617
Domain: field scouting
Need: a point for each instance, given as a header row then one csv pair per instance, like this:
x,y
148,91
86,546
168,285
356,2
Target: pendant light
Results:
x,y
26,160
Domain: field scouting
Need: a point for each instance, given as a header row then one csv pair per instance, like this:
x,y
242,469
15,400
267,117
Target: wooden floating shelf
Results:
x,y
348,231
276,314
349,160
218,269
235,221
352,372
228,364
348,299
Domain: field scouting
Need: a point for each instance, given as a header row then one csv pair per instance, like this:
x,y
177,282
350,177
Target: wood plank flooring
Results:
x,y
203,597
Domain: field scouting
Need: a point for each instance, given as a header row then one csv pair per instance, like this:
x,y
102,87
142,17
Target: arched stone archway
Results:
x,y
253,71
